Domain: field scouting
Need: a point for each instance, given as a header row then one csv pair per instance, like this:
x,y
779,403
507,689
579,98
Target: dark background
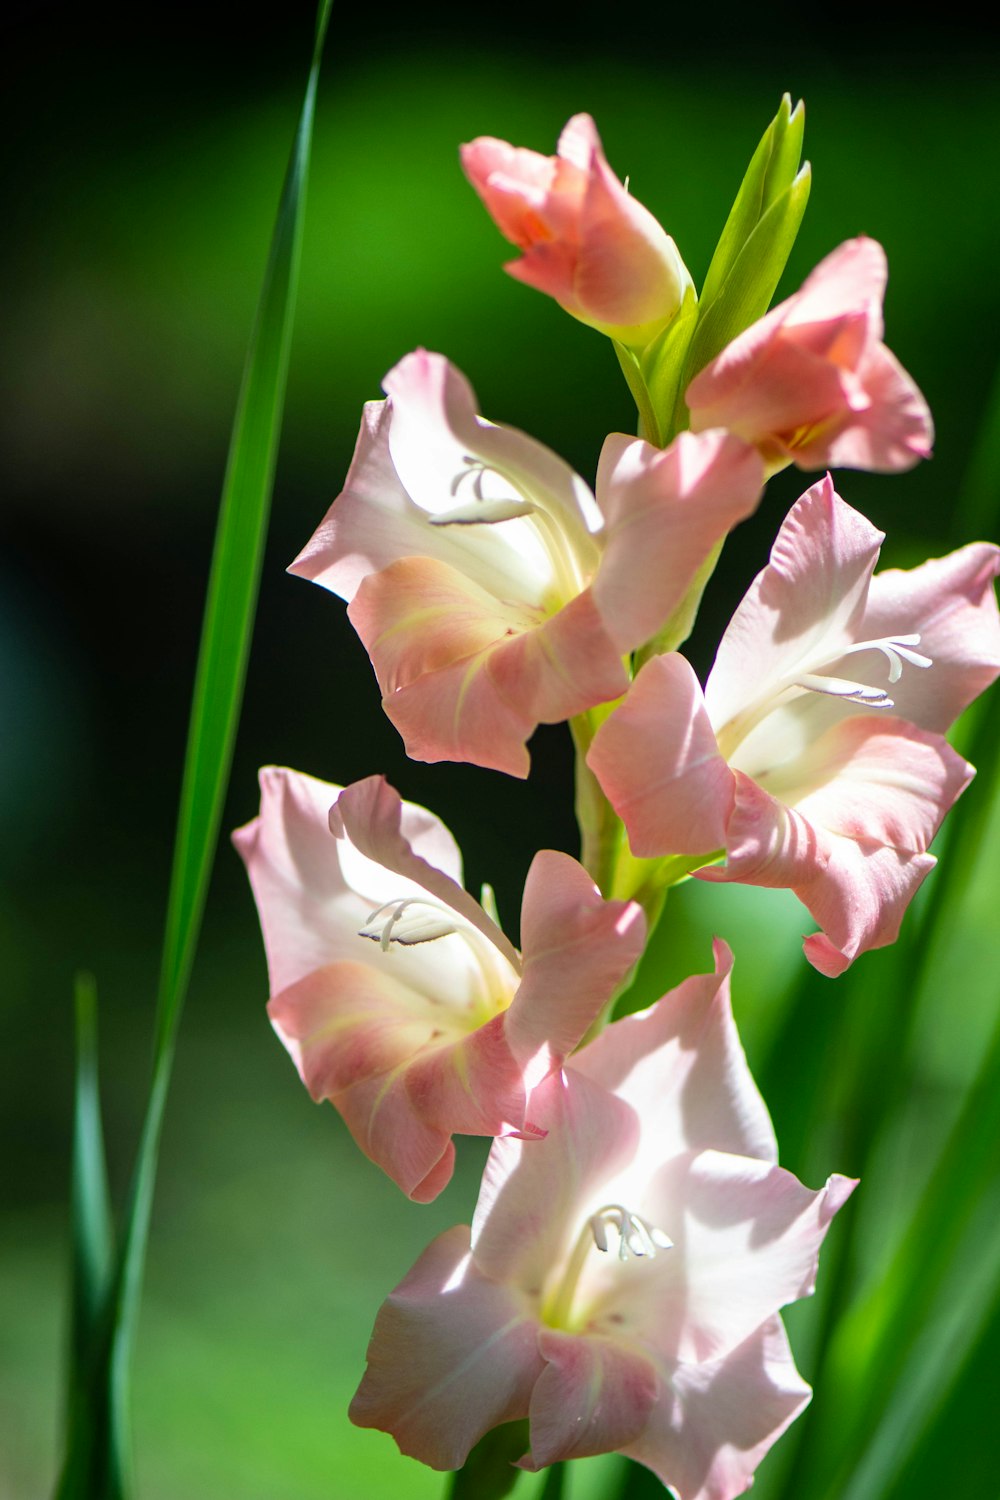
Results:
x,y
145,154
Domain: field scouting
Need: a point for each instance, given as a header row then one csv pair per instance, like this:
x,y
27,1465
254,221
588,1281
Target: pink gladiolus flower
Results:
x,y
621,1281
586,241
396,993
492,591
812,383
796,762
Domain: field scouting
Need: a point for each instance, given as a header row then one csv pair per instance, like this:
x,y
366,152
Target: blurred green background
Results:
x,y
146,154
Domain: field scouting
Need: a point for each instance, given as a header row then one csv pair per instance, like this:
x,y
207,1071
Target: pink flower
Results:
x,y
586,241
396,994
791,762
667,1346
490,588
812,383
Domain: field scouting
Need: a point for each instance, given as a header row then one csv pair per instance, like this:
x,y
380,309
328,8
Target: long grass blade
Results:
x,y
90,1211
98,1465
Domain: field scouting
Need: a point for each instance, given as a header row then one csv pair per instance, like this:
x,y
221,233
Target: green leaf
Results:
x,y
746,293
649,423
97,1464
90,1202
662,365
771,172
92,1235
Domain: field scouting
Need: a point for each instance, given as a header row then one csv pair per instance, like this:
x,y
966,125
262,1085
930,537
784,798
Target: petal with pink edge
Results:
x,y
594,1396
892,431
746,1236
717,1419
577,950
664,512
681,1066
465,678
303,900
800,611
452,1356
659,765
857,891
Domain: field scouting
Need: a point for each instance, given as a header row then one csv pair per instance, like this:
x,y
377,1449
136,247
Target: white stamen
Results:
x,y
408,921
636,1236
895,648
480,510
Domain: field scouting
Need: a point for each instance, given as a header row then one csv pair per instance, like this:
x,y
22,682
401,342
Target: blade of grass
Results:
x,y
98,1465
90,1211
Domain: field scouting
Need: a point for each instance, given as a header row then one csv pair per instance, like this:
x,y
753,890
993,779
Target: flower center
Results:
x,y
411,920
637,1239
810,677
477,508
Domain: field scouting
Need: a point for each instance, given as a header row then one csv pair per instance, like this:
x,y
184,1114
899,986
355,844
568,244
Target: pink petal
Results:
x,y
464,678
628,273
881,780
951,603
894,431
594,1396
851,277
857,891
511,181
681,1067
577,950
658,763
717,1419
452,1356
350,1021
534,1197
766,391
305,904
802,609
746,1242
385,1125
664,512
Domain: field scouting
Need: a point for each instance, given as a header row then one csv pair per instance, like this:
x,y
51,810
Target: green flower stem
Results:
x,y
602,833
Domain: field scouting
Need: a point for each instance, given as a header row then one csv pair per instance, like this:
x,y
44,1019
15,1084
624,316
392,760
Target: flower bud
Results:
x,y
585,240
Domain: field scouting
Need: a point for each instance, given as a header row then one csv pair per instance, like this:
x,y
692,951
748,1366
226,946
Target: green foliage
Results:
x,y
752,253
772,170
106,1292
